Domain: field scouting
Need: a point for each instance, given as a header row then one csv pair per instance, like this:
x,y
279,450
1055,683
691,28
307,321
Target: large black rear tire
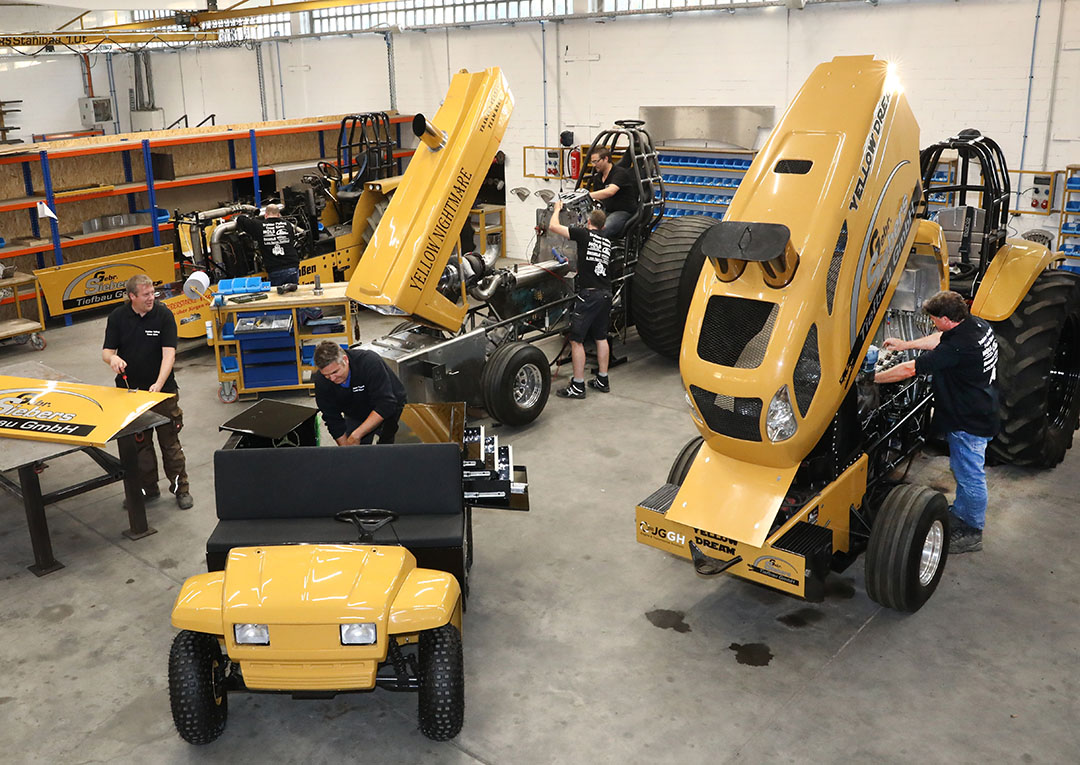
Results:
x,y
515,383
909,544
1039,373
442,683
664,277
200,704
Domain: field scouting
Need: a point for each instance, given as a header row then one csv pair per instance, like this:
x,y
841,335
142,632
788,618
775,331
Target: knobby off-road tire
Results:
x,y
666,272
1039,373
442,683
909,544
681,466
515,383
200,704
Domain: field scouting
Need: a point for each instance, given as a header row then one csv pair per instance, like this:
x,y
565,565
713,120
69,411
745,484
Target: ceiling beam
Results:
x,y
234,12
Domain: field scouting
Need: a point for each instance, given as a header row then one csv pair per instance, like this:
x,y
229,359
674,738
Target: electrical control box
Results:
x,y
1042,193
95,111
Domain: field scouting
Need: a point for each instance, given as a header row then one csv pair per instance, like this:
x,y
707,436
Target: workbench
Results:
x,y
27,456
268,344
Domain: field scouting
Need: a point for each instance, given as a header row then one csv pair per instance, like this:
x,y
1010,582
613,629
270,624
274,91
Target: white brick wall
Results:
x,y
963,64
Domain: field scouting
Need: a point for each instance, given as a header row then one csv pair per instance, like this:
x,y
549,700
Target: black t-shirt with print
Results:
x,y
275,238
138,340
593,257
964,369
626,198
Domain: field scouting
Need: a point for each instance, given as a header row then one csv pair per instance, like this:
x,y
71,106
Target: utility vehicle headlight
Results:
x,y
251,634
358,634
780,421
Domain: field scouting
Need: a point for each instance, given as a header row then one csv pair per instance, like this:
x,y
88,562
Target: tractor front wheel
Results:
x,y
515,383
442,683
681,466
200,704
909,544
1039,373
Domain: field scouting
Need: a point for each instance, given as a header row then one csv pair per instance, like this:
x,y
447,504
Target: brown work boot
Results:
x,y
149,495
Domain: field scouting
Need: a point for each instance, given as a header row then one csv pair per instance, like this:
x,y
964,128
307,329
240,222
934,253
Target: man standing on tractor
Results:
x,y
357,394
961,356
618,195
275,237
592,308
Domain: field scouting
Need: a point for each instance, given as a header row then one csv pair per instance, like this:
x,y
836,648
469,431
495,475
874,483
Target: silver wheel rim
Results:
x,y
931,553
528,385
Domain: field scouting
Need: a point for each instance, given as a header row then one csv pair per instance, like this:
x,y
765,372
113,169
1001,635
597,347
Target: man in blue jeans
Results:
x,y
962,357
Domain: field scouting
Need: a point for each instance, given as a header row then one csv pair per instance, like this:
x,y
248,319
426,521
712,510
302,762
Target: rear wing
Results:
x,y
400,268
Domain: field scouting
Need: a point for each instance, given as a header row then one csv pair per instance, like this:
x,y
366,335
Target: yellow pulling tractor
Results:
x,y
830,245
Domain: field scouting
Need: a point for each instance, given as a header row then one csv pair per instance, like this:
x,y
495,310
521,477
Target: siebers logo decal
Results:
x,y
104,284
774,568
671,537
33,409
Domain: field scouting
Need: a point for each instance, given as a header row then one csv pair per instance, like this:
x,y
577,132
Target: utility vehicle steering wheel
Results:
x,y
367,520
629,123
330,171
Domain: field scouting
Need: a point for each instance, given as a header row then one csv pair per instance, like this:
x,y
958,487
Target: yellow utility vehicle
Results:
x,y
352,580
829,246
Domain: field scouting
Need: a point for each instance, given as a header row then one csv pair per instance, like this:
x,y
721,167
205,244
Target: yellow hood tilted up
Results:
x,y
401,266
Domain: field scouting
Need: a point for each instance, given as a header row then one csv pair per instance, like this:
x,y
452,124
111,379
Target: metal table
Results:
x,y
25,456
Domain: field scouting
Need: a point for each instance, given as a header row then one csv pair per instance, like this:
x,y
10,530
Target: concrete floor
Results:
x,y
580,645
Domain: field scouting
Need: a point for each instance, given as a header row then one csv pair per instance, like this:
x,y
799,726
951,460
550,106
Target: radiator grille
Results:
x,y
734,417
735,331
834,266
807,371
660,500
805,538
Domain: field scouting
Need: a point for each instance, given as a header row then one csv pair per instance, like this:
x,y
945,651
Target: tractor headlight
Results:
x,y
780,421
251,634
358,634
693,410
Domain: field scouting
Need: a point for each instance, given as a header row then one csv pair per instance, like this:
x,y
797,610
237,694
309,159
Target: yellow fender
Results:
x,y
198,606
1012,271
930,241
427,599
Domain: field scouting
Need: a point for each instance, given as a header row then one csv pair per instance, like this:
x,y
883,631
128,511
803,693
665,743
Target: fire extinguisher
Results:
x,y
575,163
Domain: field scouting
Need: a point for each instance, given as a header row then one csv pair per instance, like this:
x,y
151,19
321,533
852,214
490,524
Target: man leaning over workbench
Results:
x,y
140,347
357,394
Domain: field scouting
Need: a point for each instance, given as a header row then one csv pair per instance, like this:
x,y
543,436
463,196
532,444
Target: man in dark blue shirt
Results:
x,y
962,357
357,394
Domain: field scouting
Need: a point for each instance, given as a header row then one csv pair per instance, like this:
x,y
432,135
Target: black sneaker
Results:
x,y
571,391
964,539
602,385
184,500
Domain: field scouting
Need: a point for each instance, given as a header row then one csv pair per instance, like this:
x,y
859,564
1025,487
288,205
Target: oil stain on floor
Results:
x,y
801,618
752,654
668,620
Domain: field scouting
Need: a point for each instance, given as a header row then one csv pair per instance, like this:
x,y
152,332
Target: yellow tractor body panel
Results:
x,y
1009,277
840,171
930,242
198,606
762,561
721,492
402,263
